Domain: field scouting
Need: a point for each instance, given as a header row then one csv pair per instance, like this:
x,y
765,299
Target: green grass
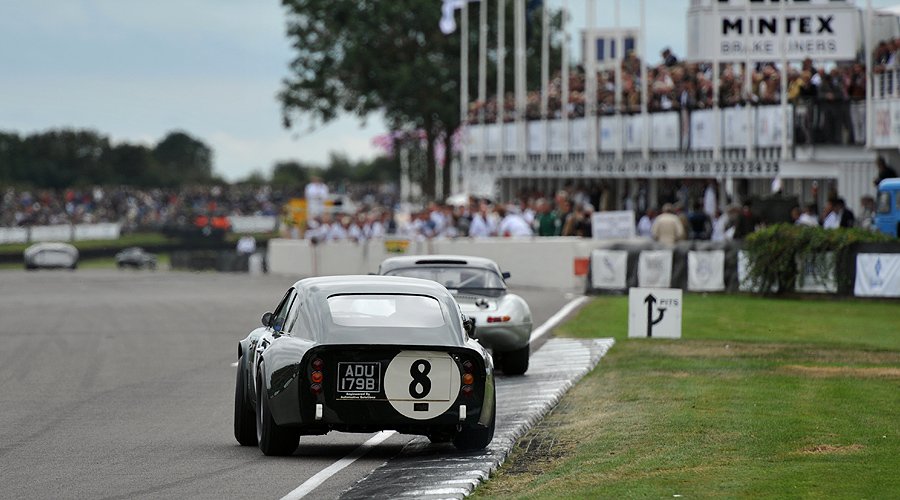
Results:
x,y
761,398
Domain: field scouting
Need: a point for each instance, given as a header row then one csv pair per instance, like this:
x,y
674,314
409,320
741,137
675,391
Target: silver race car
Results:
x,y
51,255
502,319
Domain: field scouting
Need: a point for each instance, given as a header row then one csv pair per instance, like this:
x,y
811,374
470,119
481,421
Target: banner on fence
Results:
x,y
816,274
877,275
615,224
706,271
609,269
243,224
655,268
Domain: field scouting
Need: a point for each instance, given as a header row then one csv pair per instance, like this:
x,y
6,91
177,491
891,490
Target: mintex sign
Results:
x,y
830,32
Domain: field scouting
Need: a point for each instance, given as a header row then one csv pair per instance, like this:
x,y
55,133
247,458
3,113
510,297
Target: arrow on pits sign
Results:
x,y
654,313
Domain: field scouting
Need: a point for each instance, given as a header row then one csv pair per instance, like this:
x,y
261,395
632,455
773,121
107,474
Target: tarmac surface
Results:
x,y
119,384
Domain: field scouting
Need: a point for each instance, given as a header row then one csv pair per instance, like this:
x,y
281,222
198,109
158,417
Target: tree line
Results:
x,y
70,157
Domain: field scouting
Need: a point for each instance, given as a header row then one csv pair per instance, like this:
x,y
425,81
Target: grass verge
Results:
x,y
762,397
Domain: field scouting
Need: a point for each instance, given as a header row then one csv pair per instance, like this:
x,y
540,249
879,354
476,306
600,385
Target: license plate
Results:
x,y
359,378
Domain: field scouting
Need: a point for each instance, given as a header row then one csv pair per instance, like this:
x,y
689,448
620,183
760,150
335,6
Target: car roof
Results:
x,y
51,245
437,260
892,183
317,290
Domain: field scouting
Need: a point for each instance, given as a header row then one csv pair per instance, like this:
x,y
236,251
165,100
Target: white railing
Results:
x,y
887,84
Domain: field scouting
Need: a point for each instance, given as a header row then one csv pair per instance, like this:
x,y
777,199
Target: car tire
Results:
x,y
273,439
244,419
472,438
516,362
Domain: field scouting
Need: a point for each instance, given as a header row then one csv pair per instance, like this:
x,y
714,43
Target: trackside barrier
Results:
x,y
61,232
613,267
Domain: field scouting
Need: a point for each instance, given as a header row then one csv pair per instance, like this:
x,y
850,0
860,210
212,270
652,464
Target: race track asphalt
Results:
x,y
119,384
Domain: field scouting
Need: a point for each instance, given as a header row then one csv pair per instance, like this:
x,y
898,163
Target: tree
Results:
x,y
183,159
358,56
290,174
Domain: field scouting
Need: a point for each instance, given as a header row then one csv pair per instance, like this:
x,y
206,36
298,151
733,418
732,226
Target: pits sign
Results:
x,y
654,313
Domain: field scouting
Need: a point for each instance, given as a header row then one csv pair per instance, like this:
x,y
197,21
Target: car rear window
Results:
x,y
395,311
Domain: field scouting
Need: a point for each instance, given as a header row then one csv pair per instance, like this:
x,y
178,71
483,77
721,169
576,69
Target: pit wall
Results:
x,y
591,265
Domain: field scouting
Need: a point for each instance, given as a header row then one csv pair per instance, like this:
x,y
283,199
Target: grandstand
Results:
x,y
807,122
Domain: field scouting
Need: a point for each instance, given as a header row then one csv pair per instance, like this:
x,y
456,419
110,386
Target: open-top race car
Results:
x,y
361,354
503,319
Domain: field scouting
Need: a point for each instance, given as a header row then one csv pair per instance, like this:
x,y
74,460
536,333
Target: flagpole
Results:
x,y
645,116
520,79
620,51
782,28
545,73
590,81
463,85
717,118
564,72
482,73
501,74
870,89
748,85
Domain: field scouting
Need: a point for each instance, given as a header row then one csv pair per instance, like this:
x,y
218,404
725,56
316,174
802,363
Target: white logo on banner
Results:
x,y
706,271
655,268
877,275
654,313
609,269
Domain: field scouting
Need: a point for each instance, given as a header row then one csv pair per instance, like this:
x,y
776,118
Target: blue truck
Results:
x,y
887,207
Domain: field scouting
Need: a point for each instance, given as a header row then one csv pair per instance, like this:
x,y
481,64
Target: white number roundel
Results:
x,y
421,384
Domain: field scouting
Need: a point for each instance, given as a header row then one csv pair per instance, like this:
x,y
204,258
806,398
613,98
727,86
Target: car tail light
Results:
x,y
468,378
498,319
317,375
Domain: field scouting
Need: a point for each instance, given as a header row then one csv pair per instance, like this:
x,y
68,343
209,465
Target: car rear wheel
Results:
x,y
244,420
476,437
273,439
516,362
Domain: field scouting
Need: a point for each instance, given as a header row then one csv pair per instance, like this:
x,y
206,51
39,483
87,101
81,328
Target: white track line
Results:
x,y
320,477
556,318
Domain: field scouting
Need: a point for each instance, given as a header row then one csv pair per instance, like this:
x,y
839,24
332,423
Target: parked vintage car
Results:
x,y
359,354
135,257
503,320
51,255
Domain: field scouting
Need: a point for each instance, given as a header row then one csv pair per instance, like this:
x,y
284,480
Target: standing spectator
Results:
x,y
867,217
700,223
884,170
479,228
846,216
547,222
667,228
512,224
746,222
316,192
720,226
832,219
808,217
246,245
645,223
669,58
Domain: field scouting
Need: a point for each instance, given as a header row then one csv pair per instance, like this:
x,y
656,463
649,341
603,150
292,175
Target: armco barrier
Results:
x,y
544,262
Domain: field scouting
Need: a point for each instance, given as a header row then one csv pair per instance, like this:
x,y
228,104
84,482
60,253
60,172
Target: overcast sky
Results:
x,y
136,70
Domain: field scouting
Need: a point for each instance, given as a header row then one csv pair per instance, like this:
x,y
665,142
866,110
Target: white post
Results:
x,y
590,81
645,116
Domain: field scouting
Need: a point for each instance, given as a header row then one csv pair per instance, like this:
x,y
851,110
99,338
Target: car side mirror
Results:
x,y
267,319
506,275
469,326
